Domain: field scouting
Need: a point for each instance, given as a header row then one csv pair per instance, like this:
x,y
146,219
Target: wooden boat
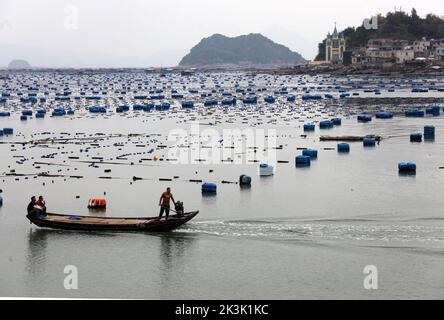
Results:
x,y
75,222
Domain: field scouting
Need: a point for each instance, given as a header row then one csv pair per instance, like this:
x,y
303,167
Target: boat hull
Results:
x,y
86,223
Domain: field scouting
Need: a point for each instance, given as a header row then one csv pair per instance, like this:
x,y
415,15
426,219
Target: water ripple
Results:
x,y
318,230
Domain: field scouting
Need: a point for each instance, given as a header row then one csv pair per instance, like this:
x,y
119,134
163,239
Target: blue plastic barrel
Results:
x,y
414,113
407,167
8,131
266,169
369,142
244,180
336,121
312,153
58,113
434,111
302,161
208,187
384,115
269,99
416,137
326,124
309,127
343,147
187,104
364,118
429,132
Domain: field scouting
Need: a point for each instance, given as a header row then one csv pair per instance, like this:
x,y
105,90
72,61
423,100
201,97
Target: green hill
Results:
x,y
247,50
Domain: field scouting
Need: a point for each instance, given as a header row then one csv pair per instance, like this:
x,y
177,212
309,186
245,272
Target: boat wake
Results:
x,y
360,229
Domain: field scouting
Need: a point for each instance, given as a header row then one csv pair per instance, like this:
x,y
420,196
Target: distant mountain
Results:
x,y
19,64
252,50
63,58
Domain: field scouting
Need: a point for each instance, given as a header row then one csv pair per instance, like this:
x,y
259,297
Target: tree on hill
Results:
x,y
395,25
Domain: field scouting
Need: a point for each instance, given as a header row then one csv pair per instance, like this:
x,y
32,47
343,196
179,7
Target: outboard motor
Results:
x,y
179,208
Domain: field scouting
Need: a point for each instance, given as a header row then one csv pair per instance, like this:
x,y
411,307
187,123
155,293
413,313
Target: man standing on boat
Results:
x,y
164,203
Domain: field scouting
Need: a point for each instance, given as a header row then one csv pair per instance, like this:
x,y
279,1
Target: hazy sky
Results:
x,y
60,32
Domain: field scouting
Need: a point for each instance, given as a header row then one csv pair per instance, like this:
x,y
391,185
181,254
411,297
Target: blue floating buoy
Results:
x,y
1,201
187,104
1,133
58,113
309,127
270,99
364,118
39,115
336,121
384,115
326,124
414,113
434,111
23,118
429,132
208,187
302,161
227,102
8,131
97,109
416,137
250,100
311,97
343,147
369,142
265,170
407,167
244,180
312,153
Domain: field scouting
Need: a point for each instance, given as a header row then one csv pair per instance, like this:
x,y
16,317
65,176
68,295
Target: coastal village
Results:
x,y
379,55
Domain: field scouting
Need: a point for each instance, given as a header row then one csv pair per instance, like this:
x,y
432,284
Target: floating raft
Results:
x,y
349,138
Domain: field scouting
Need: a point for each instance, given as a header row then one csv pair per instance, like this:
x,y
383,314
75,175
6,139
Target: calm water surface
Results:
x,y
303,233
